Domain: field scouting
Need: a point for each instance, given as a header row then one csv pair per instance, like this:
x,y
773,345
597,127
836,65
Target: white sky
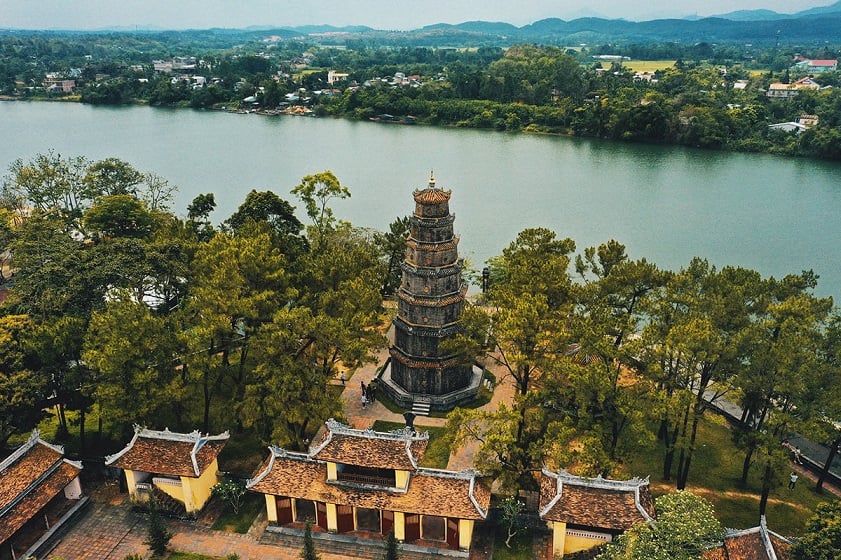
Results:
x,y
380,14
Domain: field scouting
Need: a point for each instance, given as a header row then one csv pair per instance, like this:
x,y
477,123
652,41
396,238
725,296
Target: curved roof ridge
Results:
x,y
401,434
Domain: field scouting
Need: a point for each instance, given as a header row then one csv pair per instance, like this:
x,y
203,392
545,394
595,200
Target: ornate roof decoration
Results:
x,y
431,194
430,491
614,505
433,301
29,478
434,247
169,453
756,543
400,449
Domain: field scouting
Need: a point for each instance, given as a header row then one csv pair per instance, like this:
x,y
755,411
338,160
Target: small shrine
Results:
x,y
179,470
420,374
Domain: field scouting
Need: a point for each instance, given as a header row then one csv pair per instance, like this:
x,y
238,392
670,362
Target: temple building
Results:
x,y
586,512
420,373
178,469
39,492
757,543
361,483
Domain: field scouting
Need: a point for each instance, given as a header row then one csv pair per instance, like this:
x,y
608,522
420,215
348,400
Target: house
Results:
x,y
783,91
333,77
790,126
178,469
815,66
758,543
583,513
367,483
808,120
38,487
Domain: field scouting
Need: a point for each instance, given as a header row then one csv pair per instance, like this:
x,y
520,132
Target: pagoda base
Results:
x,y
445,402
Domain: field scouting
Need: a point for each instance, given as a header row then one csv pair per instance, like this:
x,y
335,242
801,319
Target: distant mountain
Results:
x,y
752,15
315,29
832,8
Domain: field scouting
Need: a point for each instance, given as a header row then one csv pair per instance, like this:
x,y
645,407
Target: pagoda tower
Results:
x,y
430,299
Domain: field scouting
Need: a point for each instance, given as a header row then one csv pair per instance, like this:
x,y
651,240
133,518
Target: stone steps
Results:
x,y
420,408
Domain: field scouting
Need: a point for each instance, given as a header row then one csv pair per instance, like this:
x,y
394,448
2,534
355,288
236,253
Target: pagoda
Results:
x,y
420,374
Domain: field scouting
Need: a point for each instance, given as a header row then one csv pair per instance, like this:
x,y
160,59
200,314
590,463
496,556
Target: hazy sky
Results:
x,y
381,14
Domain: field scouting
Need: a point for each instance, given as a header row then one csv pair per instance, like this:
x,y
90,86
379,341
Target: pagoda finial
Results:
x,y
432,179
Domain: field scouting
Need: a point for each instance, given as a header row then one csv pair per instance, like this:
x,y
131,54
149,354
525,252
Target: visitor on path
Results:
x,y
364,400
362,386
798,458
792,480
342,377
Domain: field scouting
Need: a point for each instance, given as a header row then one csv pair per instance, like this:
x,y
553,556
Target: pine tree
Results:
x,y
391,547
309,552
158,533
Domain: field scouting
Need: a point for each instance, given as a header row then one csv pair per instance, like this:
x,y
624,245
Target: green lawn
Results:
x,y
437,453
646,65
251,507
715,472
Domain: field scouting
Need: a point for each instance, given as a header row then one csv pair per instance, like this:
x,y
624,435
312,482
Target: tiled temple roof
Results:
x,y
428,364
433,301
430,492
400,449
168,453
432,247
594,502
29,478
432,195
757,543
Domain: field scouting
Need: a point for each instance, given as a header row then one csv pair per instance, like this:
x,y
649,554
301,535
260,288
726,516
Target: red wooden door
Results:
x,y
321,515
387,522
452,533
284,510
412,527
344,519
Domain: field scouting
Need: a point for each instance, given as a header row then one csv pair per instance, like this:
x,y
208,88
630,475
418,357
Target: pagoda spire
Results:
x,y
432,179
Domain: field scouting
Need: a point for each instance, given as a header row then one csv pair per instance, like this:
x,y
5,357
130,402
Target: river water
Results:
x,y
667,204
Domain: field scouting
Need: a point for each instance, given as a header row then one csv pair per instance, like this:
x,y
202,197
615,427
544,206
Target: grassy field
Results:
x,y
646,65
715,472
437,453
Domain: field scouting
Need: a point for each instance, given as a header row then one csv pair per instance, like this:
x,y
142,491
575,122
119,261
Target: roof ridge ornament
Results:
x,y
431,178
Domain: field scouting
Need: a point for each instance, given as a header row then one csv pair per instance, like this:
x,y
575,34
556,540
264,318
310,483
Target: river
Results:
x,y
667,204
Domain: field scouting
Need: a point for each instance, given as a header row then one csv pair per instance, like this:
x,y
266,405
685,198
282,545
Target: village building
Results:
x,y
758,543
39,490
421,373
814,66
583,513
178,469
367,484
780,90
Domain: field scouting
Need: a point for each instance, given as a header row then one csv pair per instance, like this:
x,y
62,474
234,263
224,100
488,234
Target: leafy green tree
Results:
x,y
822,539
316,191
22,389
112,176
266,206
231,492
685,527
119,215
393,247
511,510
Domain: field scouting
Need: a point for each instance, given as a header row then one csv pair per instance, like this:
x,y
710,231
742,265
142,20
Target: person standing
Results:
x,y
364,400
342,377
792,480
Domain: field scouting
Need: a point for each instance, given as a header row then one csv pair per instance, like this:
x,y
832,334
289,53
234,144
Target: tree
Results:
x,y
231,492
309,552
511,510
316,191
157,533
393,247
391,547
267,207
112,176
22,388
119,215
685,527
822,539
